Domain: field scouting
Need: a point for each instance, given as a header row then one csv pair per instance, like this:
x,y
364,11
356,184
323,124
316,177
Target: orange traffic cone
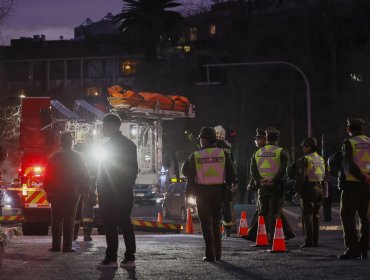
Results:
x,y
261,239
279,240
243,226
159,218
222,229
189,223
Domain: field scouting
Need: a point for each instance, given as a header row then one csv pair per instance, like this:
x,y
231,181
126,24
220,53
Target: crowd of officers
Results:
x,y
212,177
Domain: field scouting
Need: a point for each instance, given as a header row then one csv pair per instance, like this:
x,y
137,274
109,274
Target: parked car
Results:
x,y
174,204
145,194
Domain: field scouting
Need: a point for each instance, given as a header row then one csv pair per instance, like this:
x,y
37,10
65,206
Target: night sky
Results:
x,y
55,18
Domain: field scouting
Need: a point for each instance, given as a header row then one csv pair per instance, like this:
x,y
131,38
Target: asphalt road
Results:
x,y
178,256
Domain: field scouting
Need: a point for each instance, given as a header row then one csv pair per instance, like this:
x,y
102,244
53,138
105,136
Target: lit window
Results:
x,y
212,30
187,49
357,77
193,34
93,91
128,67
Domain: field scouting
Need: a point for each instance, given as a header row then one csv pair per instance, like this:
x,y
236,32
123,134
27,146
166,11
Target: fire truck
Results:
x,y
43,118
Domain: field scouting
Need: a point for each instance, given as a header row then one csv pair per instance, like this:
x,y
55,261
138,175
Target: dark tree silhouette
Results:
x,y
149,21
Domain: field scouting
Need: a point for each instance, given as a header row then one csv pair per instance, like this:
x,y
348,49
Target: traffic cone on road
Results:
x,y
189,223
243,226
222,228
159,218
261,239
279,240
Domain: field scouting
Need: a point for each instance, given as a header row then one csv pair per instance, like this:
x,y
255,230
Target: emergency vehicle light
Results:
x,y
37,169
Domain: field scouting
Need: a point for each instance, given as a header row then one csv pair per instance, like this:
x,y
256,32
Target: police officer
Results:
x,y
209,170
260,141
228,203
66,178
355,189
309,188
268,170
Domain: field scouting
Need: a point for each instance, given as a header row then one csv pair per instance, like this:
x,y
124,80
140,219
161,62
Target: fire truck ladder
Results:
x,y
88,111
62,112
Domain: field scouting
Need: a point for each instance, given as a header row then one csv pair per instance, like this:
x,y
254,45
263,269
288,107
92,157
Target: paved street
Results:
x,y
178,256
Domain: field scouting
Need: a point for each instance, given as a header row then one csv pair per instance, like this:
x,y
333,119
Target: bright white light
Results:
x,y
99,153
7,199
192,200
95,132
133,131
37,169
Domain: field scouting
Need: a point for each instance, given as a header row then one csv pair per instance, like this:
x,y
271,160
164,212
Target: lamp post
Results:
x,y
295,67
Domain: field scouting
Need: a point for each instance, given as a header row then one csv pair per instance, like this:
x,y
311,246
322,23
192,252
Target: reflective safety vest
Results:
x,y
361,155
315,170
210,166
268,160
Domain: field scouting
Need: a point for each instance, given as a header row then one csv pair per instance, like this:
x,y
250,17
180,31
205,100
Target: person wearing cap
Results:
x,y
355,189
260,141
227,204
209,170
310,175
268,170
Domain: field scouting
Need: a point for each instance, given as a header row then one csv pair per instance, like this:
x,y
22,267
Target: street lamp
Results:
x,y
295,67
21,96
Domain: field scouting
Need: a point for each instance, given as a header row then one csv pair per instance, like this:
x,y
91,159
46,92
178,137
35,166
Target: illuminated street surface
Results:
x,y
178,256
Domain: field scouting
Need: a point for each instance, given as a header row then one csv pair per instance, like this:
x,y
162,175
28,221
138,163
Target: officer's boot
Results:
x,y
87,234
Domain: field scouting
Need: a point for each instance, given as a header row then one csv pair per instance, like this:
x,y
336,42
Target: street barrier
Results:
x,y
141,225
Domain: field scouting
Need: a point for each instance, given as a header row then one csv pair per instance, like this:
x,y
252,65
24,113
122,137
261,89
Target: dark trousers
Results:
x,y
118,215
85,215
355,199
63,214
252,232
209,201
271,206
227,209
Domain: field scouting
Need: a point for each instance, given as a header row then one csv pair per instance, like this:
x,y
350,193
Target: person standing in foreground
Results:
x,y
66,178
355,190
116,177
209,170
268,170
309,187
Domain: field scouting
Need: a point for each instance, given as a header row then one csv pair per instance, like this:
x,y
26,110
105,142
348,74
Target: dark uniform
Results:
x,y
309,186
209,170
85,216
66,178
355,190
252,231
227,204
268,170
116,178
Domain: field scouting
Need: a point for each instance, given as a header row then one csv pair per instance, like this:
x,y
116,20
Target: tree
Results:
x,y
5,8
149,21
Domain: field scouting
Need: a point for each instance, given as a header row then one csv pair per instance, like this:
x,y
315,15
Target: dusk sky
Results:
x,y
55,18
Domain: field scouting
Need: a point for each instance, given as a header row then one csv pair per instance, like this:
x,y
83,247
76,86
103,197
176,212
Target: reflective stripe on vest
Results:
x,y
210,166
361,155
315,170
268,160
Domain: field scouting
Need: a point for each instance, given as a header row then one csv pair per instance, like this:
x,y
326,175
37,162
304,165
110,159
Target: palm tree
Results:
x,y
149,21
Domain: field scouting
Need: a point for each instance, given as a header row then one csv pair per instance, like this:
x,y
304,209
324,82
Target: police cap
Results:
x,y
272,131
208,133
355,123
309,142
260,133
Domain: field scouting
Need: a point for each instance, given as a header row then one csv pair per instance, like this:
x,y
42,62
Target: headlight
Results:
x,y
192,200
